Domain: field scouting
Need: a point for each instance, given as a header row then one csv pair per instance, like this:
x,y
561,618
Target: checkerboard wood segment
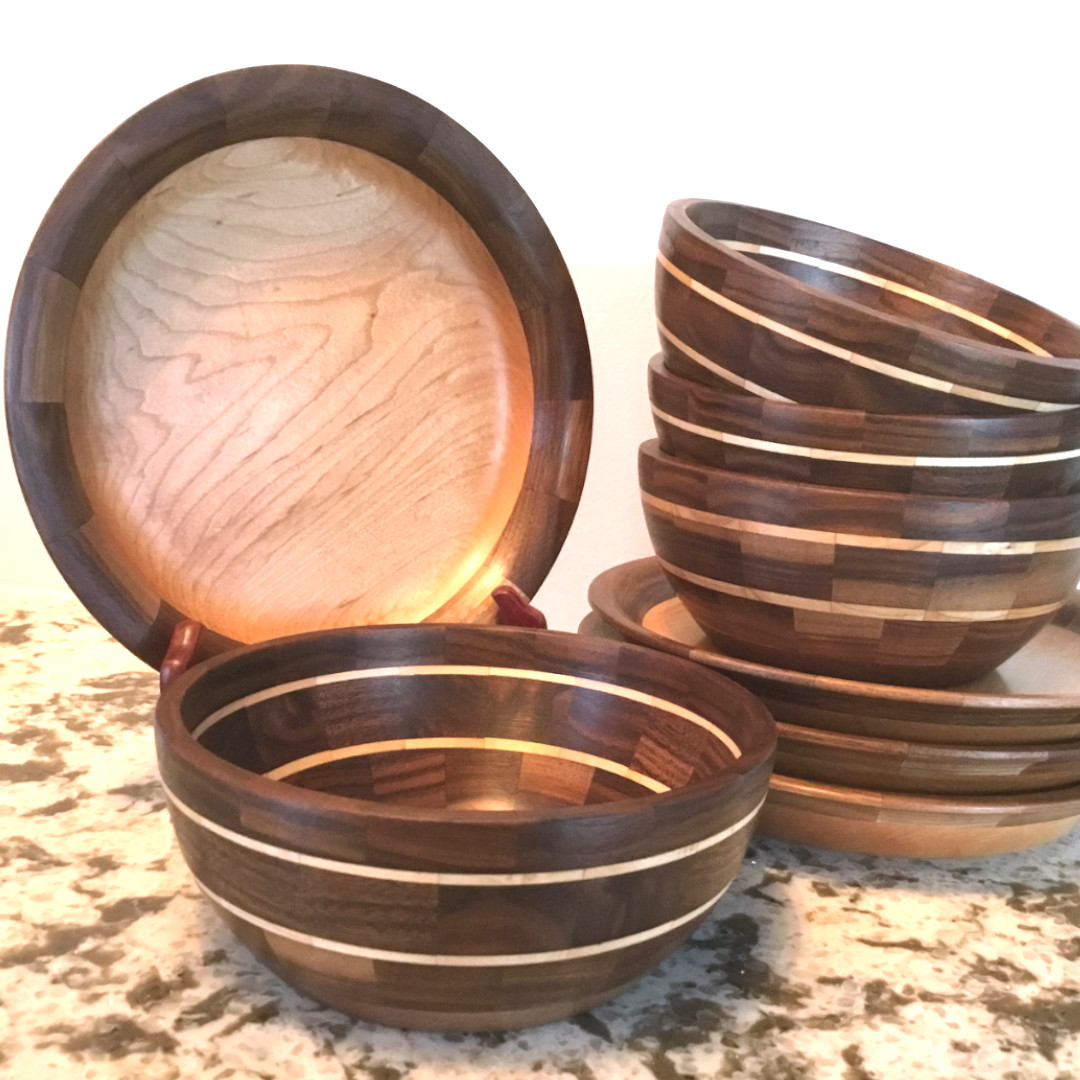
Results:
x,y
881,586
752,299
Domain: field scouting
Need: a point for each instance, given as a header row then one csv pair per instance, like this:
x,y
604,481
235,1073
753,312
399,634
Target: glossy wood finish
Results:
x,y
876,586
791,309
1021,456
461,827
830,757
1034,697
850,819
291,349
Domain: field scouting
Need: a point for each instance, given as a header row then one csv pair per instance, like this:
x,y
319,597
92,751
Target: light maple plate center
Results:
x,y
299,391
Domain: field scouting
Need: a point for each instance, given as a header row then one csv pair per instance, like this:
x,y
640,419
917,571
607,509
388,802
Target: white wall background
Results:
x,y
949,128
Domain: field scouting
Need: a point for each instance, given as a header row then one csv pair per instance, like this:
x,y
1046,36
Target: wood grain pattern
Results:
x,y
830,757
293,272
933,455
876,586
541,812
1034,697
822,316
280,380
850,819
954,801
880,764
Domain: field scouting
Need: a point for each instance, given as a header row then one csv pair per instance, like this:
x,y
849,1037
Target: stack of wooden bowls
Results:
x,y
868,470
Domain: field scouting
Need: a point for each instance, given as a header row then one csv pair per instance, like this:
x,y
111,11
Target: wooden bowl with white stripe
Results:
x,y
1033,697
461,827
789,309
1021,456
923,768
875,586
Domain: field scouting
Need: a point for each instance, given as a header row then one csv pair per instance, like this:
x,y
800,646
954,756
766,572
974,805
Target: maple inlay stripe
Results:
x,y
889,543
862,611
858,457
451,960
520,746
470,671
889,286
728,376
480,879
930,382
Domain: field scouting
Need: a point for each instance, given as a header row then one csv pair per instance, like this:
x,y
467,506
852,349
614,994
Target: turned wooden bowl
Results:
x,y
830,757
461,827
922,826
291,350
1020,456
794,310
876,586
1034,697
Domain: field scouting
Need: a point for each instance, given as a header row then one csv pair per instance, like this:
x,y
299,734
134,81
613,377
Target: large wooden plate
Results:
x,y
292,350
1034,697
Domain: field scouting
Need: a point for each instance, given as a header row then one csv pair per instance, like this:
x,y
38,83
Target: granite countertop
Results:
x,y
815,964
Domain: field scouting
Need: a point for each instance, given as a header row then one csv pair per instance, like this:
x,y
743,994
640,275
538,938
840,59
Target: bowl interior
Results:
x,y
459,735
291,350
291,346
880,277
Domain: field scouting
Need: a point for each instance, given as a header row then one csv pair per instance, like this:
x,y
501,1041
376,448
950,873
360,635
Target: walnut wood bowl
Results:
x,y
923,826
292,350
1034,697
461,827
1020,456
792,309
868,585
830,757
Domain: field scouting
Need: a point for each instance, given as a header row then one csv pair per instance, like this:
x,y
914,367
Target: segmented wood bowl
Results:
x,y
923,826
291,349
461,827
1021,456
874,586
830,757
1034,697
790,309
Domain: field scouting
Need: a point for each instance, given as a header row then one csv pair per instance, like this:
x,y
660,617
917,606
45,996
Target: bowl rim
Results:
x,y
652,450
173,736
1054,804
244,105
678,213
603,588
824,738
659,371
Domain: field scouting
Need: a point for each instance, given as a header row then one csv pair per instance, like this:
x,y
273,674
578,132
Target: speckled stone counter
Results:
x,y
815,964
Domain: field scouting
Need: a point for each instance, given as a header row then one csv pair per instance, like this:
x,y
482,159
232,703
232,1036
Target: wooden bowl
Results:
x,y
794,310
1034,697
1020,456
923,826
867,585
292,350
830,757
461,827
